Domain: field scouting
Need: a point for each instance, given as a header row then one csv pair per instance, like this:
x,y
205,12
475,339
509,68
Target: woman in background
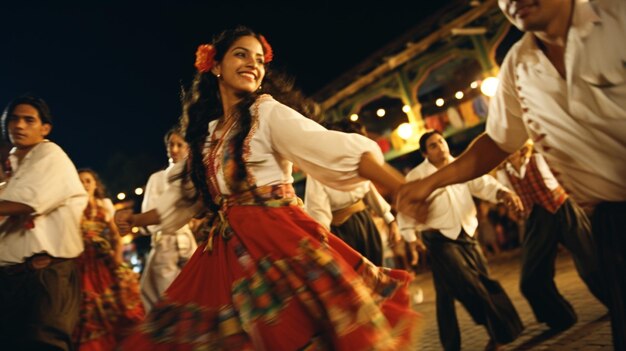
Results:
x,y
110,305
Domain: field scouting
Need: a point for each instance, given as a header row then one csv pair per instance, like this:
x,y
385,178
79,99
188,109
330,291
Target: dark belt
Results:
x,y
33,263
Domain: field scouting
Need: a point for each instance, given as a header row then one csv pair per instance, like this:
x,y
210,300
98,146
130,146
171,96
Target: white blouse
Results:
x,y
280,137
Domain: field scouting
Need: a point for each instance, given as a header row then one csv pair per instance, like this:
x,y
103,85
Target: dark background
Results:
x,y
112,72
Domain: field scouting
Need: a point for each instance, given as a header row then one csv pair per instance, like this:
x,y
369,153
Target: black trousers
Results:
x,y
39,308
609,228
544,231
460,273
360,232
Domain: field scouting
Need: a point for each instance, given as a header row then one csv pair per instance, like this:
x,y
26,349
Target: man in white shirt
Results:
x,y
346,213
552,218
563,85
43,202
458,266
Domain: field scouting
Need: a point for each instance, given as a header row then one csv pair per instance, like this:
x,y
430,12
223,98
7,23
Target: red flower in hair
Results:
x,y
269,53
205,58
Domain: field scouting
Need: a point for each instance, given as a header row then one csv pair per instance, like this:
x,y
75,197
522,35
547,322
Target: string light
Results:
x,y
489,86
405,131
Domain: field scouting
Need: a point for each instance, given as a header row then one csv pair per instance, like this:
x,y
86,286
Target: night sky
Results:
x,y
112,71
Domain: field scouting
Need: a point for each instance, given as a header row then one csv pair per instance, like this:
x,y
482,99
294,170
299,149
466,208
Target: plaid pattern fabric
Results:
x,y
533,190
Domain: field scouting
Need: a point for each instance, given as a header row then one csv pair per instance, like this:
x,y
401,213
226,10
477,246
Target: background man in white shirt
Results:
x,y
458,266
346,213
43,202
564,86
552,218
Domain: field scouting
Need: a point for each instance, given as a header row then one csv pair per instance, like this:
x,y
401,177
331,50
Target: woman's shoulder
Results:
x,y
266,106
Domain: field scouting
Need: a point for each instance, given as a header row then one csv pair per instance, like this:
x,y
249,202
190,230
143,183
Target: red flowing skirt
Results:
x,y
111,304
277,280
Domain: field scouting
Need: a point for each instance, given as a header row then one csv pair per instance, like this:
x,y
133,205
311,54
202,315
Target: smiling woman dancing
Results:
x,y
268,277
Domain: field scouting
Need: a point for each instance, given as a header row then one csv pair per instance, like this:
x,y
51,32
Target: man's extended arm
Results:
x,y
10,208
480,157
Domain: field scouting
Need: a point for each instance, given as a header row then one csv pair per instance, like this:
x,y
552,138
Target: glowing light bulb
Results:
x,y
489,86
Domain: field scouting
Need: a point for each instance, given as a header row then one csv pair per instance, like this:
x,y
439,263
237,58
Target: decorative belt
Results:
x,y
268,195
33,263
342,215
277,195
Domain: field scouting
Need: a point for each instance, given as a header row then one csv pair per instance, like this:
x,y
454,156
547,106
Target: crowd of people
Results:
x,y
271,272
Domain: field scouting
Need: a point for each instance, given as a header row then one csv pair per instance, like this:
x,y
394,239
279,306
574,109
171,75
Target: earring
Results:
x,y
219,76
260,87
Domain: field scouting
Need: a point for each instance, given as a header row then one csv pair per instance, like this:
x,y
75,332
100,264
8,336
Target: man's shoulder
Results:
x,y
48,146
47,149
519,51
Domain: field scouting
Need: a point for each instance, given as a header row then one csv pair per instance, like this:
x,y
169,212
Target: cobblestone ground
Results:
x,y
592,332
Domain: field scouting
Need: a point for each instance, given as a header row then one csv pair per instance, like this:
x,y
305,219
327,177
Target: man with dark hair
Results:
x,y
458,266
42,201
563,85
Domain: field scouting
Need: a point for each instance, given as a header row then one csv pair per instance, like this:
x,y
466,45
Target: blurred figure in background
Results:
x,y
170,250
346,214
458,266
110,290
552,218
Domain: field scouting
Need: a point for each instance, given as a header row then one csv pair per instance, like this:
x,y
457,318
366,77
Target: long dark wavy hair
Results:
x,y
202,104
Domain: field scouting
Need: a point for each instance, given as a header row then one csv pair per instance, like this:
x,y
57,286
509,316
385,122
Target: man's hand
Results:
x,y
415,247
394,234
411,199
124,220
511,201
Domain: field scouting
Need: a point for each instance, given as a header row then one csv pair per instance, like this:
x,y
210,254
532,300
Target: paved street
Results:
x,y
592,332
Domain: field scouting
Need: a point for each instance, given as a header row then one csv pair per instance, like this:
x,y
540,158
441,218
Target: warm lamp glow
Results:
x,y
489,86
380,112
121,196
439,102
354,117
405,131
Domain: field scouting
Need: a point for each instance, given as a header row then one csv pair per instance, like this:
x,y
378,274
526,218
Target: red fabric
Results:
x,y
110,305
533,190
304,288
